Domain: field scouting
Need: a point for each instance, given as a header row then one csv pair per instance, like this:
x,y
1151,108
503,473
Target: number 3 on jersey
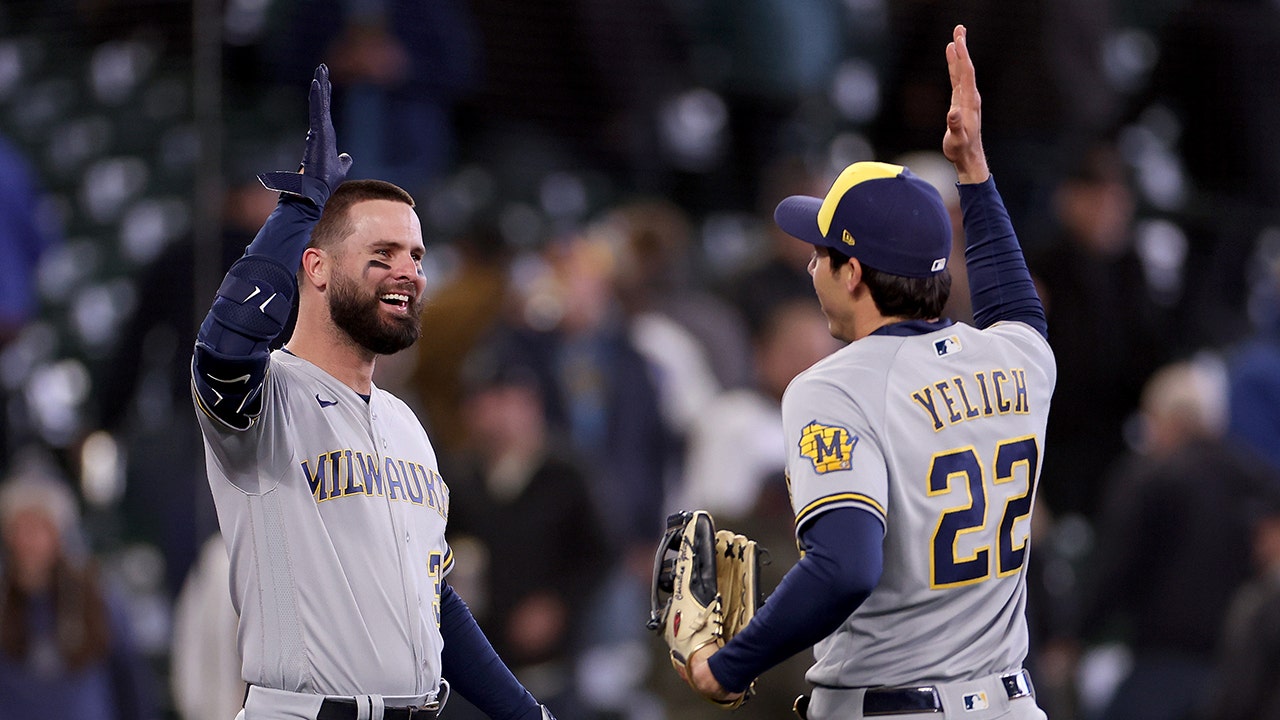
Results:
x,y
435,564
961,471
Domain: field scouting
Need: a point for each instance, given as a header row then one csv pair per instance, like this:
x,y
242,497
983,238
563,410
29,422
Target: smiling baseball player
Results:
x,y
326,486
913,453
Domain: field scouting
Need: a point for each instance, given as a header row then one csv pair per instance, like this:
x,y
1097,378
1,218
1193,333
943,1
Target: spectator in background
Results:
x,y
462,310
658,271
399,68
204,661
1247,675
597,389
1173,544
1108,333
735,455
1253,365
780,270
23,240
527,503
694,341
600,393
66,650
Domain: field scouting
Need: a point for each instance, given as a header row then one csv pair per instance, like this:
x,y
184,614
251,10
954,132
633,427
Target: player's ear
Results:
x,y
851,273
316,266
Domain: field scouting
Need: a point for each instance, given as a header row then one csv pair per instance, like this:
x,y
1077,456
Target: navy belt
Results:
x,y
879,701
901,700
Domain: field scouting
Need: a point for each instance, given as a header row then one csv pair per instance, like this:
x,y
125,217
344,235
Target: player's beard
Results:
x,y
360,316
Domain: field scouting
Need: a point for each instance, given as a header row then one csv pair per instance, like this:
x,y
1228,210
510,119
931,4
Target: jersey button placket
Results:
x,y
373,422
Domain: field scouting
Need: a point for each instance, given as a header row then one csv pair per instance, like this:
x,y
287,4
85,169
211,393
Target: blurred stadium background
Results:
x,y
140,119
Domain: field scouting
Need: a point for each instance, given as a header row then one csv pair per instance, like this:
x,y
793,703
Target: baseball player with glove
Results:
x,y
326,486
913,460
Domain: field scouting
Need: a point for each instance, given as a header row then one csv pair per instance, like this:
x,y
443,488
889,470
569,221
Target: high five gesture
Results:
x,y
962,143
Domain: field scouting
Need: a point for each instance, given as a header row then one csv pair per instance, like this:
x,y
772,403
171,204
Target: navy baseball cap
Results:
x,y
880,214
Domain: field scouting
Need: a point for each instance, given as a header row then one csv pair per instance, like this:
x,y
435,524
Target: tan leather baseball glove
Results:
x,y
705,587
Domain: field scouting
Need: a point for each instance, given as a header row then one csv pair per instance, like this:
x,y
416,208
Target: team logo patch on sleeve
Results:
x,y
828,447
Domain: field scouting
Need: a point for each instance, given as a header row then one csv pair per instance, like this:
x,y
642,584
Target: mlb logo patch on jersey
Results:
x,y
828,447
948,345
975,701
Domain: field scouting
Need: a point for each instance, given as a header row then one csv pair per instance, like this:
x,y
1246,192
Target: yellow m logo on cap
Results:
x,y
852,175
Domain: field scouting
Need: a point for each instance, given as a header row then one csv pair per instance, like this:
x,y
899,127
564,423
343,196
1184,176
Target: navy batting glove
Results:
x,y
323,169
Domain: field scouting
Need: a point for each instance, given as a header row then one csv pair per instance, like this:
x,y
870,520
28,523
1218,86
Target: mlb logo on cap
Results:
x,y
881,214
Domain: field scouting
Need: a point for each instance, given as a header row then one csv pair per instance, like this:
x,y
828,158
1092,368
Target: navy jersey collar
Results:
x,y
907,328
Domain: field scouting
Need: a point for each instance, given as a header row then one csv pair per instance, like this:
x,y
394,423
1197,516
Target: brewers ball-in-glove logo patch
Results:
x,y
829,447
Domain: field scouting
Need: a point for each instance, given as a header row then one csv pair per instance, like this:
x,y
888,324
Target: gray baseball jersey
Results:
x,y
333,511
939,435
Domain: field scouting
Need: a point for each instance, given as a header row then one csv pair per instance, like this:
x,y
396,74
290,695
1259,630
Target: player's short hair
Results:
x,y
335,221
899,296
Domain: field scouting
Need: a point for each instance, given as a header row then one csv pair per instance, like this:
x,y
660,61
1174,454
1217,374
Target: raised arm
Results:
x,y
252,305
1000,285
962,143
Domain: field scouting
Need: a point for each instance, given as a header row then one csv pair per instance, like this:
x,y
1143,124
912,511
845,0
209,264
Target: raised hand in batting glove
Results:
x,y
323,169
705,590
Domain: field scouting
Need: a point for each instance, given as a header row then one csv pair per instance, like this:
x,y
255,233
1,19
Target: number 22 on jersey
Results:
x,y
961,473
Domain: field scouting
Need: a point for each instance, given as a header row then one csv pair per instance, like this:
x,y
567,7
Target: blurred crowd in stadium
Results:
x,y
614,316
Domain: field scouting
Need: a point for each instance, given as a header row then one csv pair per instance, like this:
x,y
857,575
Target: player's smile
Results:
x,y
400,297
401,303
397,301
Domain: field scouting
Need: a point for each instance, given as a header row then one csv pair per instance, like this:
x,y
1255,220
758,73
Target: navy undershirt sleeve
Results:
x,y
273,257
249,314
473,667
286,232
1000,284
841,565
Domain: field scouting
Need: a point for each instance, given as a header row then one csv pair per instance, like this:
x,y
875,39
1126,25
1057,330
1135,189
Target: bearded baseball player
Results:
x,y
326,486
913,453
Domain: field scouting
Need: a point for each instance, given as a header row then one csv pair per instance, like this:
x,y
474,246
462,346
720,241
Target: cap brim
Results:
x,y
798,216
